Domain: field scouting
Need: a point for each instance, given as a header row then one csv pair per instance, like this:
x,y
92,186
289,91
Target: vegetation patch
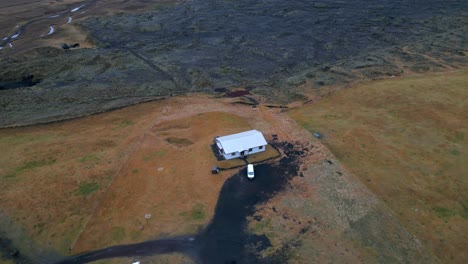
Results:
x,y
443,212
232,120
198,212
262,226
173,126
465,210
232,163
39,227
90,158
156,154
179,142
86,188
135,235
21,139
269,153
123,123
118,234
30,165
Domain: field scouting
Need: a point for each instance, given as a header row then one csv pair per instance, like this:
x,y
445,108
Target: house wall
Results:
x,y
246,152
257,149
230,156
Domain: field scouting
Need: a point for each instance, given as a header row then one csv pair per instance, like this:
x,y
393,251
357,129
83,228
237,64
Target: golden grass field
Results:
x,y
406,139
88,183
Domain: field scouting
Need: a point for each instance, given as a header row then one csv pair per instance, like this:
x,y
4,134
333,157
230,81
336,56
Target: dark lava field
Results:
x,y
269,47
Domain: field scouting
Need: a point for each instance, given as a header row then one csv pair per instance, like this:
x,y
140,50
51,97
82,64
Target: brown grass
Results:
x,y
86,183
54,175
165,177
406,139
230,163
269,153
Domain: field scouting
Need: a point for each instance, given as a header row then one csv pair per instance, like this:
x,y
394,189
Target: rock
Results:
x,y
65,46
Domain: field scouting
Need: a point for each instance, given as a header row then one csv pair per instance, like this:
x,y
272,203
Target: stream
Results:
x,y
9,39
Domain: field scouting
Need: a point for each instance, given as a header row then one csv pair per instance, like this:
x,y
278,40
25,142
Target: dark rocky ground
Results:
x,y
270,47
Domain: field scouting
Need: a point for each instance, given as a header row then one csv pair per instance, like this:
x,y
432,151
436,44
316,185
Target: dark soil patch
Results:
x,y
221,90
238,93
7,251
245,103
226,239
276,106
24,82
216,153
66,46
252,100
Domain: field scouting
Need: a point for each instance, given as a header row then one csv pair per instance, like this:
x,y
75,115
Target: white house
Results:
x,y
241,144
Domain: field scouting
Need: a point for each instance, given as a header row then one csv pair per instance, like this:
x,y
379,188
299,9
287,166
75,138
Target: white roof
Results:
x,y
242,141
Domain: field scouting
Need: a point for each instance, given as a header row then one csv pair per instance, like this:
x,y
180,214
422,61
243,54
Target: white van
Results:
x,y
250,171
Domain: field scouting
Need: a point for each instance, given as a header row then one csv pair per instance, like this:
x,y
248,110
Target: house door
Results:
x,y
242,153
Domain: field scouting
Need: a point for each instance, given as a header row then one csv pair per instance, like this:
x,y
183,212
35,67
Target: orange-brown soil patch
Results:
x,y
166,178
